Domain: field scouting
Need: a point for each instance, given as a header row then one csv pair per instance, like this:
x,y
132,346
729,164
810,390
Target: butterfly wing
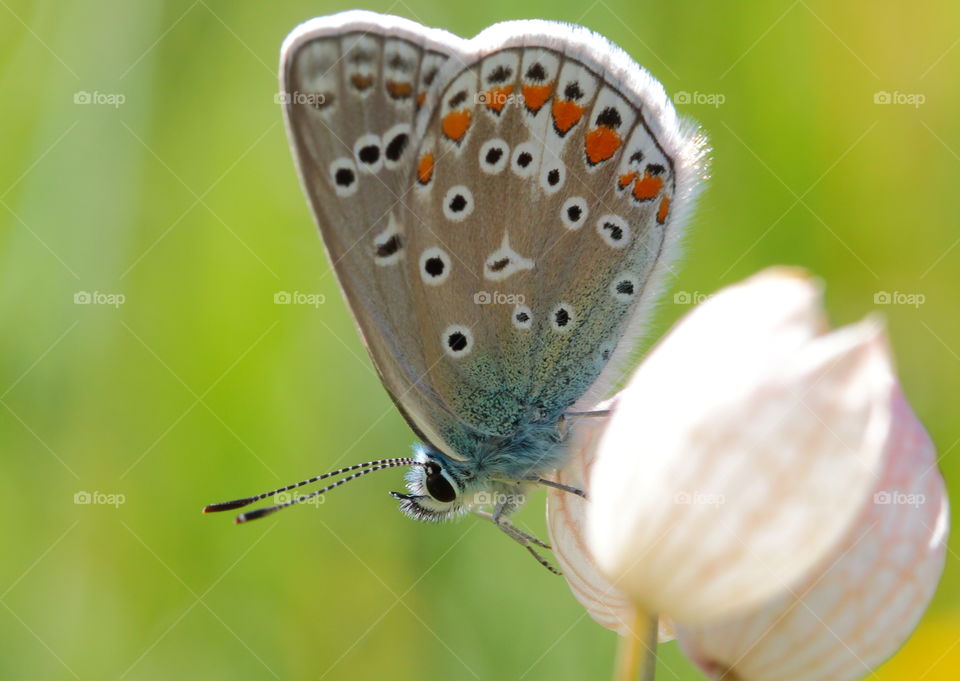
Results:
x,y
500,212
353,84
554,180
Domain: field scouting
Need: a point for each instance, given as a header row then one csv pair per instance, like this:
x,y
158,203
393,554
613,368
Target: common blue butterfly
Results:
x,y
500,213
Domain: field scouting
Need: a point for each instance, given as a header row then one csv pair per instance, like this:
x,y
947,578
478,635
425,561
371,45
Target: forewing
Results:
x,y
352,85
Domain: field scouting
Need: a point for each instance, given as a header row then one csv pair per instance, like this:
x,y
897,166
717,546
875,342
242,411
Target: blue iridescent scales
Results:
x,y
501,214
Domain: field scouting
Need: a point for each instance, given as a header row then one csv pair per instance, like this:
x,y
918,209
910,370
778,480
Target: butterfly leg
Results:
x,y
598,412
507,526
525,540
558,485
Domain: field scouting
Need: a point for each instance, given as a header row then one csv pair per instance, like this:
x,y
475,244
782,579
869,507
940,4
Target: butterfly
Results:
x,y
501,214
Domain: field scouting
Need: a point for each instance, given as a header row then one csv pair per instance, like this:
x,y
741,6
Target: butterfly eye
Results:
x,y
438,485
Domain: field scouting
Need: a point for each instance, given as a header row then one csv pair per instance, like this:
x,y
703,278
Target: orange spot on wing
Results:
x,y
399,89
601,143
360,81
455,124
497,97
425,168
566,114
663,210
647,187
421,98
626,179
535,96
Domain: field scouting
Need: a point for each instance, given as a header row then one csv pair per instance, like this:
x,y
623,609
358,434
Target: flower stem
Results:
x,y
637,652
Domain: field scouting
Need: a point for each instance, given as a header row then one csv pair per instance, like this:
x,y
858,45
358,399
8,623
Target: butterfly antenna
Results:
x,y
240,503
261,512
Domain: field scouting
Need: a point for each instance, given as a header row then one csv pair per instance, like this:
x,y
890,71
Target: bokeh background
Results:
x,y
170,198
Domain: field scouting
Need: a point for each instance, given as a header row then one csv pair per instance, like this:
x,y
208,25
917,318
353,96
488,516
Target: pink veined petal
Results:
x,y
729,469
864,599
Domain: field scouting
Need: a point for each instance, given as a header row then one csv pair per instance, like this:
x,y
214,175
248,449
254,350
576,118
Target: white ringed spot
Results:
x,y
505,261
523,160
522,317
368,154
574,212
457,341
434,266
457,203
552,177
396,143
494,155
624,287
614,230
343,176
563,317
388,244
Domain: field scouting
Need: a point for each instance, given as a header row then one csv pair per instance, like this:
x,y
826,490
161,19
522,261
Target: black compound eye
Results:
x,y
438,486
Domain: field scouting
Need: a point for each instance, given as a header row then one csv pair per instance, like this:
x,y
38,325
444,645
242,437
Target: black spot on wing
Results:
x,y
536,72
390,246
501,74
397,146
609,117
573,91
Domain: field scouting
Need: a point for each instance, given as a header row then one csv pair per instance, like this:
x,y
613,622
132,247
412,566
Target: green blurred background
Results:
x,y
197,388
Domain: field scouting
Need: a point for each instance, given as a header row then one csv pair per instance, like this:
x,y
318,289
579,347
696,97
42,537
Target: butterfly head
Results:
x,y
435,487
440,488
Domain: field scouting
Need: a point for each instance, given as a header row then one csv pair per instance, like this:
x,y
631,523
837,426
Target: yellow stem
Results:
x,y
637,652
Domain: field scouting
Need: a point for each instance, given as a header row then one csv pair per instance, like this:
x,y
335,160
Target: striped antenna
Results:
x,y
369,465
261,512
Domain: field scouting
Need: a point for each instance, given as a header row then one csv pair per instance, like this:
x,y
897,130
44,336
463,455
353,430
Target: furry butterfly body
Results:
x,y
501,213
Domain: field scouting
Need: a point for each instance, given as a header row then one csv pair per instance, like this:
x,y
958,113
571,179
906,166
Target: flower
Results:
x,y
735,489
